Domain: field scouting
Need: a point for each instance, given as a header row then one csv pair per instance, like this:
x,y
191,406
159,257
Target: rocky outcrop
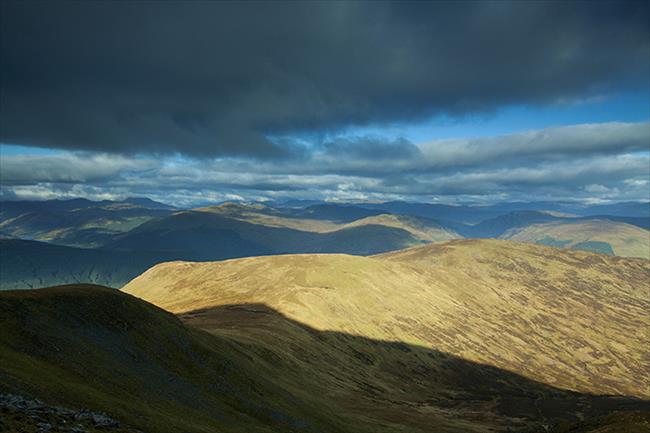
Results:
x,y
26,415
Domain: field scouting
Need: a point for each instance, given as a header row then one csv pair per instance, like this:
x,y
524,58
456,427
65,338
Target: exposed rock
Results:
x,y
33,416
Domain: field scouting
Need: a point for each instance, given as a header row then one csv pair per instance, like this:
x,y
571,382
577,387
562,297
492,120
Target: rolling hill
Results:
x,y
331,218
258,370
219,232
421,228
122,239
602,236
138,363
540,312
77,222
474,214
496,227
210,235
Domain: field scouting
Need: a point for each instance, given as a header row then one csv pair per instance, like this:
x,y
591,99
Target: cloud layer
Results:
x,y
607,161
220,78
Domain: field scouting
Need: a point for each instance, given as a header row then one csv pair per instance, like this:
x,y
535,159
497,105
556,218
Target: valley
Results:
x,y
109,243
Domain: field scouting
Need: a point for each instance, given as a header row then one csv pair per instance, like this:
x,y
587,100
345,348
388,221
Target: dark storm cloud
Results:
x,y
217,78
370,148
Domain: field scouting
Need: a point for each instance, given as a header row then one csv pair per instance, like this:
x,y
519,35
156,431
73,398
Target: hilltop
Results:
x,y
541,312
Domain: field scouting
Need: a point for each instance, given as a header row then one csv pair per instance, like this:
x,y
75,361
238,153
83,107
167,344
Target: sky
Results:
x,y
197,102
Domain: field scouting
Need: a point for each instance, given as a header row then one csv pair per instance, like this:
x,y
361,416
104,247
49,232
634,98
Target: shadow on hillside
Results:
x,y
256,370
403,381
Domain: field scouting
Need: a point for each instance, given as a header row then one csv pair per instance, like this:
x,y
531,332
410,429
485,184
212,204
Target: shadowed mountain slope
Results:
x,y
615,422
495,227
30,264
340,213
571,319
213,233
256,370
99,348
473,214
212,236
331,218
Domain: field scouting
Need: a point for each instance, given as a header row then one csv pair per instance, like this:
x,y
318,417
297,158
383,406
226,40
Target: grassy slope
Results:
x,y
571,319
617,422
625,240
99,348
257,370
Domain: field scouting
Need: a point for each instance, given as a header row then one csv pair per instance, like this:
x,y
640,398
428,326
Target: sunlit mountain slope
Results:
x,y
571,319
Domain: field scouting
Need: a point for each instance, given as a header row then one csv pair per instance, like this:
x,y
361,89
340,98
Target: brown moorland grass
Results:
x,y
570,319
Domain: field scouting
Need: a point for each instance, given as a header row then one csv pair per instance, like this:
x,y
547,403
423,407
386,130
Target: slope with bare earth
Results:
x,y
605,236
570,319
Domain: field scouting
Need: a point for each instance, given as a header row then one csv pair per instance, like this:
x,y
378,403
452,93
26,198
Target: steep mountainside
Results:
x,y
570,319
87,346
31,264
602,236
256,370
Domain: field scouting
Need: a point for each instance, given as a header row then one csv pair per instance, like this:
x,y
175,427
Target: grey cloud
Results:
x,y
218,78
67,168
550,143
609,159
368,156
370,148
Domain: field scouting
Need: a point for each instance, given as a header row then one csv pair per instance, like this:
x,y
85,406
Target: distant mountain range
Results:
x,y
76,222
110,242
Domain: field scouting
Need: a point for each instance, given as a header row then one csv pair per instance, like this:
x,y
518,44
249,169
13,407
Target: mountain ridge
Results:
x,y
488,301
